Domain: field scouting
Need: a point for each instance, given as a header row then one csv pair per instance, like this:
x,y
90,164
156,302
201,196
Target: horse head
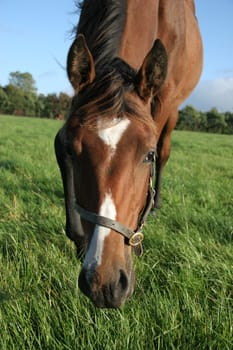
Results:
x,y
109,142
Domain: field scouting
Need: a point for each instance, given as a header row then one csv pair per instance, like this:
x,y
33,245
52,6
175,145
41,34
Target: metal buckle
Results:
x,y
136,239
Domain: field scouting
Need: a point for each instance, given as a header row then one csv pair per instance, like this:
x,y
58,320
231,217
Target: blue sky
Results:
x,y
35,35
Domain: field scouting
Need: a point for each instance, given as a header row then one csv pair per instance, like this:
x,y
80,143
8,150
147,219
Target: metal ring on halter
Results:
x,y
136,239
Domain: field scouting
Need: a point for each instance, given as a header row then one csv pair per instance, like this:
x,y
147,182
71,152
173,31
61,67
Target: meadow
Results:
x,y
184,291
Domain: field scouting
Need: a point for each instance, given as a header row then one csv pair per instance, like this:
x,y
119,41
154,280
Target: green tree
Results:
x,y
51,109
4,101
215,121
229,122
16,98
40,106
23,81
20,103
64,104
56,106
189,119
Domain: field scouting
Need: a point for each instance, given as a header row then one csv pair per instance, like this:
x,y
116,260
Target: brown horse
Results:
x,y
131,65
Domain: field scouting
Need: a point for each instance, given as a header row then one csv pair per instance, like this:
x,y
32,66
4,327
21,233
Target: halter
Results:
x,y
133,238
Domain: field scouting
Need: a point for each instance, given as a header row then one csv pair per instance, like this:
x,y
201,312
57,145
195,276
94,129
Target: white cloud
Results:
x,y
213,93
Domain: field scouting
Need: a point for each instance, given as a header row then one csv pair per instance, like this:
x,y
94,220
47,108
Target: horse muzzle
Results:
x,y
110,294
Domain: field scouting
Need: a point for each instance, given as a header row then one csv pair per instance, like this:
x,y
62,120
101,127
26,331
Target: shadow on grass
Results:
x,y
4,296
9,165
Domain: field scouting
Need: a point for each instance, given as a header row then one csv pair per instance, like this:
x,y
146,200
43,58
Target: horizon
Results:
x,y
26,50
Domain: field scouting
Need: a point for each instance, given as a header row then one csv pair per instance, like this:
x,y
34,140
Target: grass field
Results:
x,y
184,292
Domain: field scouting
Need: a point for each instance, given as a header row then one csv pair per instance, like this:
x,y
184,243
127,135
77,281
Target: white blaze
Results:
x,y
111,136
93,256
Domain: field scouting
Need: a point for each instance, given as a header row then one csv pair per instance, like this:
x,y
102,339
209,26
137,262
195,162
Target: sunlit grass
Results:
x,y
184,294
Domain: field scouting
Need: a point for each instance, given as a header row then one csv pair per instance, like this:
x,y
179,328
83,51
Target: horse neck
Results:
x,y
117,28
140,31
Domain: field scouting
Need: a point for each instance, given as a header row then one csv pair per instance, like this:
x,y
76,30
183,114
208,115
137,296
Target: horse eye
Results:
x,y
150,157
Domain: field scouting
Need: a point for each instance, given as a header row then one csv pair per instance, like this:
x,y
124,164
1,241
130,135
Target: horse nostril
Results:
x,y
88,281
84,283
123,281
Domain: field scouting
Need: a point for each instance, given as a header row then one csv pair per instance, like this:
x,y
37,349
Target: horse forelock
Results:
x,y
108,99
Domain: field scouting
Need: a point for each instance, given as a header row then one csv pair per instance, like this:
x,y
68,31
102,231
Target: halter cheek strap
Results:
x,y
133,238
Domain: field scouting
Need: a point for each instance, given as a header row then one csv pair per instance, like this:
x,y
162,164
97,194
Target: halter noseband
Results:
x,y
133,238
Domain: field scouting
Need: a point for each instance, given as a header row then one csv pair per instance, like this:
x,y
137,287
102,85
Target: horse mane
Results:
x,y
102,22
107,99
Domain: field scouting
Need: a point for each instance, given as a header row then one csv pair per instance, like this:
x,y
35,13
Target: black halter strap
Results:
x,y
133,238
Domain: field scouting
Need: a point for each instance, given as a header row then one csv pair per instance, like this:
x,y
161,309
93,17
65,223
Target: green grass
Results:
x,y
184,292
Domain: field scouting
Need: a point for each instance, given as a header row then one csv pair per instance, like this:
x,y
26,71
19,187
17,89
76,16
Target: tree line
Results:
x,y
211,121
20,97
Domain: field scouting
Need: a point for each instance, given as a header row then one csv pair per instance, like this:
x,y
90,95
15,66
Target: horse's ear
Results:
x,y
153,71
80,64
